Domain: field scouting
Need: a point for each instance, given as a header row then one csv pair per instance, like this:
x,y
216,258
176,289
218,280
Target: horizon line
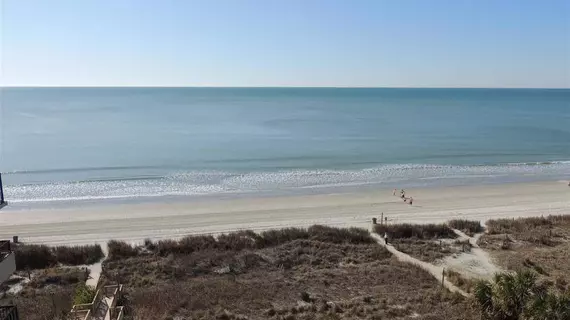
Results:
x,y
275,87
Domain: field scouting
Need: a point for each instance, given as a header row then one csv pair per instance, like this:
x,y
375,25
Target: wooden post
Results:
x,y
1,191
373,220
382,218
443,278
386,220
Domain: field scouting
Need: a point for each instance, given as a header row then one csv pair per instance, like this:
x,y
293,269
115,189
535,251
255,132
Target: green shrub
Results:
x,y
520,296
83,294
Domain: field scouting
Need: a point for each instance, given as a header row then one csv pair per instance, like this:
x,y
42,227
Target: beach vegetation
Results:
x,y
83,294
33,256
469,227
52,304
77,255
521,225
415,231
537,244
320,273
425,250
519,296
59,277
239,240
468,285
120,249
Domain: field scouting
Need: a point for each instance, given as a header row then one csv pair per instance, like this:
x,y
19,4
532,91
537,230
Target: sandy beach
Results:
x,y
134,222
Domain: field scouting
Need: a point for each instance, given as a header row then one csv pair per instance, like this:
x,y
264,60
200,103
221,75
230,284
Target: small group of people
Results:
x,y
409,200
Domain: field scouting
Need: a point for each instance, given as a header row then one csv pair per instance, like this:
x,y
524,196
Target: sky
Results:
x,y
357,43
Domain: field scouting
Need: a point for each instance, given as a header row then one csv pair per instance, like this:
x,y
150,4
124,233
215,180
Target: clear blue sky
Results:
x,y
376,43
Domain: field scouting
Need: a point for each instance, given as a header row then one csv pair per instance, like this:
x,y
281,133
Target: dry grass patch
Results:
x,y
425,250
49,295
538,244
468,285
53,304
61,277
363,285
427,242
315,273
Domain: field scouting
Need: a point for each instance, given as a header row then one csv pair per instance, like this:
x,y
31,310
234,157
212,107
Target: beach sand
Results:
x,y
134,222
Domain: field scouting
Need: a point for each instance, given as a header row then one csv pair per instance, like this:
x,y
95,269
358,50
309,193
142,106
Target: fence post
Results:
x,y
443,278
382,218
1,191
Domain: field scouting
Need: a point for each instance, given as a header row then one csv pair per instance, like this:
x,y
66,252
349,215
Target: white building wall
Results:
x,y
7,267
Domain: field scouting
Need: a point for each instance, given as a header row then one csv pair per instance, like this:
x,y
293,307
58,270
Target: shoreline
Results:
x,y
135,222
185,186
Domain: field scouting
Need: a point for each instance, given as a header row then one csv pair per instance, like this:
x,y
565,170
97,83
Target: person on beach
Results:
x,y
411,200
394,193
386,237
403,194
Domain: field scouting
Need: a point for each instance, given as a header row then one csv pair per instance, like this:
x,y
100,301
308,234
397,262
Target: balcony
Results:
x,y
7,261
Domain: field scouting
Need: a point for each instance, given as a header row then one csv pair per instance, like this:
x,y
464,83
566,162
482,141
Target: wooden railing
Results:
x,y
83,311
80,314
117,313
86,310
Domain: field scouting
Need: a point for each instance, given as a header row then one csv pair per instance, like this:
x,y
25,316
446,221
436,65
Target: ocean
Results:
x,y
77,146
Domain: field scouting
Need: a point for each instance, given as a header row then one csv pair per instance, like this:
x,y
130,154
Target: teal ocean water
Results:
x,y
67,145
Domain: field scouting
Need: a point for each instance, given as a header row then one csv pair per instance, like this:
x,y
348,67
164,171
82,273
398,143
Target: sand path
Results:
x,y
435,271
475,264
134,222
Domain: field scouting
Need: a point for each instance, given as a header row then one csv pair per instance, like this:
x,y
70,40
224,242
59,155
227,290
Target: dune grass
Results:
x,y
520,225
538,244
239,240
314,273
416,231
469,227
33,256
120,249
77,255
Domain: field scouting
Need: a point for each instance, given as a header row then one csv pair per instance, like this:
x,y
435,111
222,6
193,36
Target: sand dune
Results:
x,y
134,222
